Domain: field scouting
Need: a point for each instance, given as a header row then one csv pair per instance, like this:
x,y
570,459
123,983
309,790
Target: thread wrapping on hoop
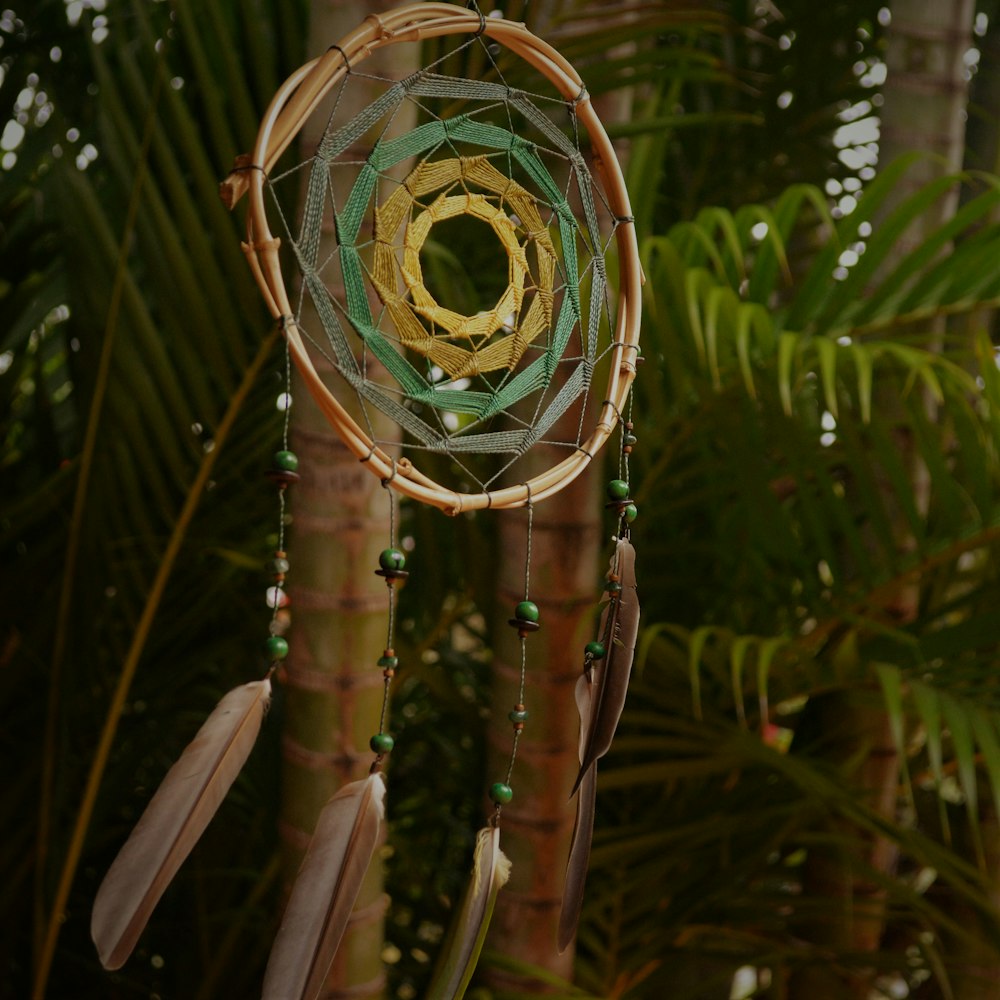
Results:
x,y
473,6
343,55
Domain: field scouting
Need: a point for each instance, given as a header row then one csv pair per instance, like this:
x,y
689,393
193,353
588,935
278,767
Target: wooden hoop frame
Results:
x,y
296,100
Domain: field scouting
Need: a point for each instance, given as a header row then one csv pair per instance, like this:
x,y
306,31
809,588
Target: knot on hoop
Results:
x,y
473,6
343,55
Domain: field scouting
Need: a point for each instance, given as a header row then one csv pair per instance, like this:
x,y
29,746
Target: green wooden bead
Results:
x,y
518,715
277,648
381,743
617,489
595,650
630,440
390,559
630,513
500,793
526,611
388,661
287,461
613,587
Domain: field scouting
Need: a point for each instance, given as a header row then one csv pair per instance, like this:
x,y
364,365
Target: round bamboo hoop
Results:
x,y
295,101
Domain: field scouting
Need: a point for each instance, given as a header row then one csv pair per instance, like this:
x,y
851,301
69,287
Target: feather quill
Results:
x,y
490,871
583,830
347,832
610,676
173,821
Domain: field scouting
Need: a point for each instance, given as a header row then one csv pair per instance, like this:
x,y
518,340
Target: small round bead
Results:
x,y
613,587
631,440
595,650
287,461
500,793
276,597
630,512
527,611
391,559
278,565
617,489
389,662
277,648
518,715
381,743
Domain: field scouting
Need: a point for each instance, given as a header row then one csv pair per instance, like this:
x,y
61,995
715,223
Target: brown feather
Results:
x,y
490,871
174,820
610,676
583,830
347,832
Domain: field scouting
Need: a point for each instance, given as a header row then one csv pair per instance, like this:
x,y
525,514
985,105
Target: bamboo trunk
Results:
x,y
538,824
339,524
924,96
568,553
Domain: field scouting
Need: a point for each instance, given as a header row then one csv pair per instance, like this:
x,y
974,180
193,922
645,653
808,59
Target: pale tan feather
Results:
x,y
173,821
490,871
347,832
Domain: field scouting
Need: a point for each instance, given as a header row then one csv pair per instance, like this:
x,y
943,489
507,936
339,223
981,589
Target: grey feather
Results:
x,y
583,830
610,676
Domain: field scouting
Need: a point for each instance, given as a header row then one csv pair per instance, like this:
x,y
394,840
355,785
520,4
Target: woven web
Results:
x,y
478,387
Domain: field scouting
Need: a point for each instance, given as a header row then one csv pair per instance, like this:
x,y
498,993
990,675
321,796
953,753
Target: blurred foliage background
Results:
x,y
803,797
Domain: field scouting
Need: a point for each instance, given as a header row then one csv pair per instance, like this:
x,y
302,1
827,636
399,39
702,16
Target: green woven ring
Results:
x,y
478,404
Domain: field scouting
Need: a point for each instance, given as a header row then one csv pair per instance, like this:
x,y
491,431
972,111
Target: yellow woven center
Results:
x,y
464,345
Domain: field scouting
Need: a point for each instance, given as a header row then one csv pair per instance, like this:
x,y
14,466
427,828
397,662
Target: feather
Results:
x,y
609,677
583,830
173,821
490,871
347,832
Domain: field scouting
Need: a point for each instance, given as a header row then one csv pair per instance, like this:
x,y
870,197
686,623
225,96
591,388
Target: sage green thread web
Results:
x,y
518,408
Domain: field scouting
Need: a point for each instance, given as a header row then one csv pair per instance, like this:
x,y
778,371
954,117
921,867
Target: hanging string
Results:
x,y
525,620
283,473
390,638
527,556
391,563
285,424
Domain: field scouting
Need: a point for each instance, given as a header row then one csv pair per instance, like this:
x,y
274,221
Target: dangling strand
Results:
x,y
347,832
283,472
526,621
192,790
603,684
391,562
618,489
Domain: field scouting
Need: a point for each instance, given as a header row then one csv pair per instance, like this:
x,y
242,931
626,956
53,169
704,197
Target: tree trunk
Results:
x,y
538,824
969,954
569,553
847,729
927,94
924,96
339,524
923,109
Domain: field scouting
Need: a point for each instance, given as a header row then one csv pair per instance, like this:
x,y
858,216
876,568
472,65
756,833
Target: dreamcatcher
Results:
x,y
469,395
